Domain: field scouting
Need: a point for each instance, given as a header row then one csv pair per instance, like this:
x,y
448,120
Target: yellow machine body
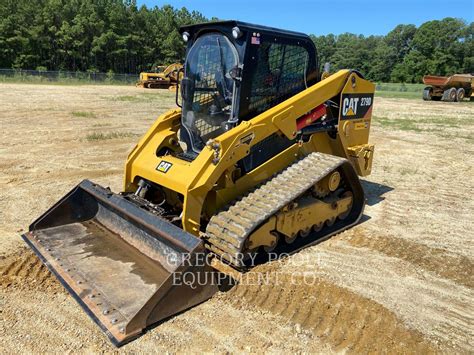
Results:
x,y
209,182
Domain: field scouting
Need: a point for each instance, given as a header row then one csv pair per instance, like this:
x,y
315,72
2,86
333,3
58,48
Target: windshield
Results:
x,y
208,89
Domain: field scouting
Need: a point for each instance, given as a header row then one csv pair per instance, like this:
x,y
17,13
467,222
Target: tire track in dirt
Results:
x,y
429,203
440,309
32,293
344,319
429,219
214,326
244,328
320,308
24,270
459,269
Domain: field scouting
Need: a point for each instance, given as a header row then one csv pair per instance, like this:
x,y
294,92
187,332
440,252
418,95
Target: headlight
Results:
x,y
236,32
185,36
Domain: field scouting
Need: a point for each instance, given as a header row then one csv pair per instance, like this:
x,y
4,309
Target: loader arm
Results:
x,y
194,180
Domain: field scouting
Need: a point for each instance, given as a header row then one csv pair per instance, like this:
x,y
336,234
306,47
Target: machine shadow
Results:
x,y
374,192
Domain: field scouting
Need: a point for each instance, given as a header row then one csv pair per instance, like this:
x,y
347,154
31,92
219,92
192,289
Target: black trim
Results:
x,y
357,72
193,29
247,54
263,151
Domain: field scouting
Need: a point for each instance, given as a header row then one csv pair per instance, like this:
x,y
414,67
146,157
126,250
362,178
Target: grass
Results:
x,y
146,97
399,94
443,127
407,124
111,135
399,90
400,124
388,90
87,114
401,87
30,79
128,98
80,78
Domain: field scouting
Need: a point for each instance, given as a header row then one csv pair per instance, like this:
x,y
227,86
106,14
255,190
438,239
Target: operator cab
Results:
x,y
235,71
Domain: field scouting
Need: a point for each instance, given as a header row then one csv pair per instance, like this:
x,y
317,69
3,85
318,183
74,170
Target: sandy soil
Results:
x,y
400,281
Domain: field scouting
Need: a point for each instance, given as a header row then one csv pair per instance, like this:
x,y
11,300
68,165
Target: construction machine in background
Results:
x,y
163,77
261,156
450,89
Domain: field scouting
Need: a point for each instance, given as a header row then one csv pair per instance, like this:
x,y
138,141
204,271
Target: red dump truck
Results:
x,y
444,88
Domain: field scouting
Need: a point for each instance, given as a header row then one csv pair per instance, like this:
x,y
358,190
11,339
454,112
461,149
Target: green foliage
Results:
x,y
405,54
89,35
439,47
117,36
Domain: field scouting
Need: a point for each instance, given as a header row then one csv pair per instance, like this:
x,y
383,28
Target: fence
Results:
x,y
401,87
64,77
47,76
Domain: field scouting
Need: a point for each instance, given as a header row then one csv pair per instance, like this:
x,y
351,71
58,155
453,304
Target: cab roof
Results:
x,y
219,25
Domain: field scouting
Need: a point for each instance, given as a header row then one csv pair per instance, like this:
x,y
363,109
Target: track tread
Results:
x,y
228,230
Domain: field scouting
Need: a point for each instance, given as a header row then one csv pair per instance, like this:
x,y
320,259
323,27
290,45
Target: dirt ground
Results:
x,y
400,281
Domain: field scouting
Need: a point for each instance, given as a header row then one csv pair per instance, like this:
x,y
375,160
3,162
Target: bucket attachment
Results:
x,y
123,264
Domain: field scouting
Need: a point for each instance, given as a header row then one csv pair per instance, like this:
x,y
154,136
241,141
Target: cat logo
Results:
x,y
349,106
354,106
164,166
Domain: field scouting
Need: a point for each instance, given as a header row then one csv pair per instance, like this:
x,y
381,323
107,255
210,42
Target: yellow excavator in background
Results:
x,y
261,156
162,77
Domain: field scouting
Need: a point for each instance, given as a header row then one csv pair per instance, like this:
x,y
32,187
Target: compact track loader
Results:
x,y
262,156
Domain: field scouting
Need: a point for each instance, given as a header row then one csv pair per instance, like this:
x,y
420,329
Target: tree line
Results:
x,y
405,54
90,35
118,36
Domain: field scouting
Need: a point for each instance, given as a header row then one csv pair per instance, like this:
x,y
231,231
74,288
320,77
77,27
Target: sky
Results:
x,y
367,17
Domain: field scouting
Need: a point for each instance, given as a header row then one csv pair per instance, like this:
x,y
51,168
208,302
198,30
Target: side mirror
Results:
x,y
326,71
